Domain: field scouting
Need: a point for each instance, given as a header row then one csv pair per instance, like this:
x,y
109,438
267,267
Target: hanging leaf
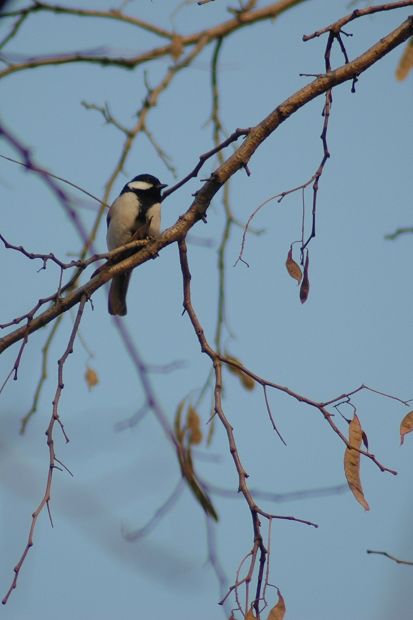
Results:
x,y
247,381
91,378
352,462
187,468
250,615
278,612
179,431
406,61
193,422
185,458
233,369
305,284
292,267
365,440
406,426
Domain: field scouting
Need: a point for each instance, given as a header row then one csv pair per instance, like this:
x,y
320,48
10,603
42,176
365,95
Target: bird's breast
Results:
x,y
124,214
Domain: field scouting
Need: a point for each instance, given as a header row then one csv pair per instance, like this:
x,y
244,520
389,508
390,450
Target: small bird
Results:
x,y
135,214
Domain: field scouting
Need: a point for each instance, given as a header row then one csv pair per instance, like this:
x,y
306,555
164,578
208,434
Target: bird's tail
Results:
x,y
117,294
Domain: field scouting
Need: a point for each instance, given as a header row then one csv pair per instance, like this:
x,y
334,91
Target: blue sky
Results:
x,y
355,327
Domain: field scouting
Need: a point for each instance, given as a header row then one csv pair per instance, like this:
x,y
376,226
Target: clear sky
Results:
x,y
355,328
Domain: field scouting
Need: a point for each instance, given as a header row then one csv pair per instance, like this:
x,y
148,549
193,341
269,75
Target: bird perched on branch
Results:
x,y
135,214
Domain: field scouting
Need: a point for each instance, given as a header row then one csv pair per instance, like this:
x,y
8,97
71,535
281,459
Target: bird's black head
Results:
x,y
145,186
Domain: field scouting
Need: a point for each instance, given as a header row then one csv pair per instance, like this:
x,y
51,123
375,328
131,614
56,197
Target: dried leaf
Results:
x,y
352,462
292,267
187,468
406,61
305,284
247,381
91,378
196,437
193,422
406,426
278,612
179,431
250,615
235,360
177,47
365,440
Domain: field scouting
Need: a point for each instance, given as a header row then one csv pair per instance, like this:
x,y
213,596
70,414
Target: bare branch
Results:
x,y
398,232
391,557
216,361
133,535
241,20
43,375
204,157
337,26
113,14
322,407
55,418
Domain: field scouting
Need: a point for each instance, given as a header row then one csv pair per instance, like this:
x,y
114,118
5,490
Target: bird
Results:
x,y
135,214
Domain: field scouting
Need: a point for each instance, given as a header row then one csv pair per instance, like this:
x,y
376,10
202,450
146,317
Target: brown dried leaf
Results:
x,y
179,431
406,426
235,360
187,468
406,62
91,378
352,462
278,612
247,381
177,47
196,437
250,615
292,267
193,422
305,284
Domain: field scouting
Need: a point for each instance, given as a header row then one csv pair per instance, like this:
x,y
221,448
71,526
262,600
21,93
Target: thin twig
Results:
x,y
223,29
391,557
55,418
165,508
338,25
43,375
320,406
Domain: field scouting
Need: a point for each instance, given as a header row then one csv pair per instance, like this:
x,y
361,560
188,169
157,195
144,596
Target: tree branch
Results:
x,y
216,32
239,159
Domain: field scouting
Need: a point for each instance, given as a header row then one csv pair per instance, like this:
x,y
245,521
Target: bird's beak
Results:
x,y
162,185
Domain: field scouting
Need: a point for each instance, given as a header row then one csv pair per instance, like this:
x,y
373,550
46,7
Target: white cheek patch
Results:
x,y
142,185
